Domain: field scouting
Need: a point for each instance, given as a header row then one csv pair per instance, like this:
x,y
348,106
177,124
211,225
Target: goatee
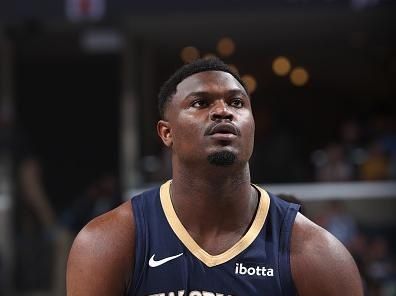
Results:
x,y
223,158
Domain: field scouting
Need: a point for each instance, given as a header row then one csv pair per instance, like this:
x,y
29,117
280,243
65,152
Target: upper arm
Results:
x,y
320,264
101,258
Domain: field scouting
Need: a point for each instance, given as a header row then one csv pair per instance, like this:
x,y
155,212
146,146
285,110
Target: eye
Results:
x,y
200,103
237,103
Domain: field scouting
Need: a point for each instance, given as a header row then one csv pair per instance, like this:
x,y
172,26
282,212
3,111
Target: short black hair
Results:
x,y
201,65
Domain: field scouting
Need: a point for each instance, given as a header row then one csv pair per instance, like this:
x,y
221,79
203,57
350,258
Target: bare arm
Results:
x,y
33,191
101,259
320,264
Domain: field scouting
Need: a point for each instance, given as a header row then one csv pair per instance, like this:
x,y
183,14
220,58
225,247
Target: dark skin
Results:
x,y
216,204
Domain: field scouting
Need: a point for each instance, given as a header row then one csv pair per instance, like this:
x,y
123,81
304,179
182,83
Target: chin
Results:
x,y
222,158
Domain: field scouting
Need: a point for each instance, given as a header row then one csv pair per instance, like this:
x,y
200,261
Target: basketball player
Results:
x,y
208,231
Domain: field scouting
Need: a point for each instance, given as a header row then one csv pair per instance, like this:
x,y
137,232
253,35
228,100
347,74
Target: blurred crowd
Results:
x,y
372,250
360,152
43,236
42,245
37,238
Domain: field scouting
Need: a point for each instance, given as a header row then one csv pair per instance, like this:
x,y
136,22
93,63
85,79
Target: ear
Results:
x,y
165,132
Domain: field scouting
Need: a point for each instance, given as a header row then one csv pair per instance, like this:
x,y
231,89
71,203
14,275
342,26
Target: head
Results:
x,y
206,115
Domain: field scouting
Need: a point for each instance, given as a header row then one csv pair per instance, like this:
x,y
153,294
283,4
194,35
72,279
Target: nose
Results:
x,y
220,111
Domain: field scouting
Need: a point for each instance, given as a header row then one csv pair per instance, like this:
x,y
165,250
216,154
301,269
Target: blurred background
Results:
x,y
78,108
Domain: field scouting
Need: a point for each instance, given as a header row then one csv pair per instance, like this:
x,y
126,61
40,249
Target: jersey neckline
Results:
x,y
213,260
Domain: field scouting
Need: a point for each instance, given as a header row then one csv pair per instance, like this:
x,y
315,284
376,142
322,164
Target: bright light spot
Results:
x,y
189,54
299,76
281,66
225,47
250,82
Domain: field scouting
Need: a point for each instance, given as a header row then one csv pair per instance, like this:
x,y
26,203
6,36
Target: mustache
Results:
x,y
221,127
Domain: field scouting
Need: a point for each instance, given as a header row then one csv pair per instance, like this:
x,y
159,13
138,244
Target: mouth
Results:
x,y
224,129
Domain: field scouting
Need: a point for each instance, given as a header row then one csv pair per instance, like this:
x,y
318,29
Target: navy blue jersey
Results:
x,y
168,262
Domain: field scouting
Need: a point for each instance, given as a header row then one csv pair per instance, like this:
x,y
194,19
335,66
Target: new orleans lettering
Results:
x,y
192,293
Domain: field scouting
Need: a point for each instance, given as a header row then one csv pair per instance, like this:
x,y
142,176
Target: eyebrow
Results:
x,y
210,94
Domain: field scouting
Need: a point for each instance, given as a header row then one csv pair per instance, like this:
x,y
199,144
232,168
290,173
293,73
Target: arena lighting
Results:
x,y
101,41
299,76
250,82
281,66
189,54
225,47
233,68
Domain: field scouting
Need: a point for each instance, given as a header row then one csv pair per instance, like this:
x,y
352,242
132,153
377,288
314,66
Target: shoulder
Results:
x,y
101,258
320,264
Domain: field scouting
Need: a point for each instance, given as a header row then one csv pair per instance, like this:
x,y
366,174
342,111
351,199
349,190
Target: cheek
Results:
x,y
248,128
249,139
252,127
186,133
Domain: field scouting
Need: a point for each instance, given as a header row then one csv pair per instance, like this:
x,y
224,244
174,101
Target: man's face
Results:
x,y
209,118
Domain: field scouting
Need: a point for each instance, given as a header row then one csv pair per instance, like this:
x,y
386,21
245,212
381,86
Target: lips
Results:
x,y
223,128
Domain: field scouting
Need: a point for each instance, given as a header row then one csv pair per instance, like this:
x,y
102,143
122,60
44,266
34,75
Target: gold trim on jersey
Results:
x,y
213,260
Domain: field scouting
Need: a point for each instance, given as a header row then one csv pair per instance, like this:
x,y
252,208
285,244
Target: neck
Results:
x,y
213,198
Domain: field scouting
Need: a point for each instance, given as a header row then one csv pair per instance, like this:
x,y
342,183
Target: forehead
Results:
x,y
208,81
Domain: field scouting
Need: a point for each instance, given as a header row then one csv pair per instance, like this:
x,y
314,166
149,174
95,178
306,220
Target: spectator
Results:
x,y
101,196
350,134
376,165
339,222
380,268
334,167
